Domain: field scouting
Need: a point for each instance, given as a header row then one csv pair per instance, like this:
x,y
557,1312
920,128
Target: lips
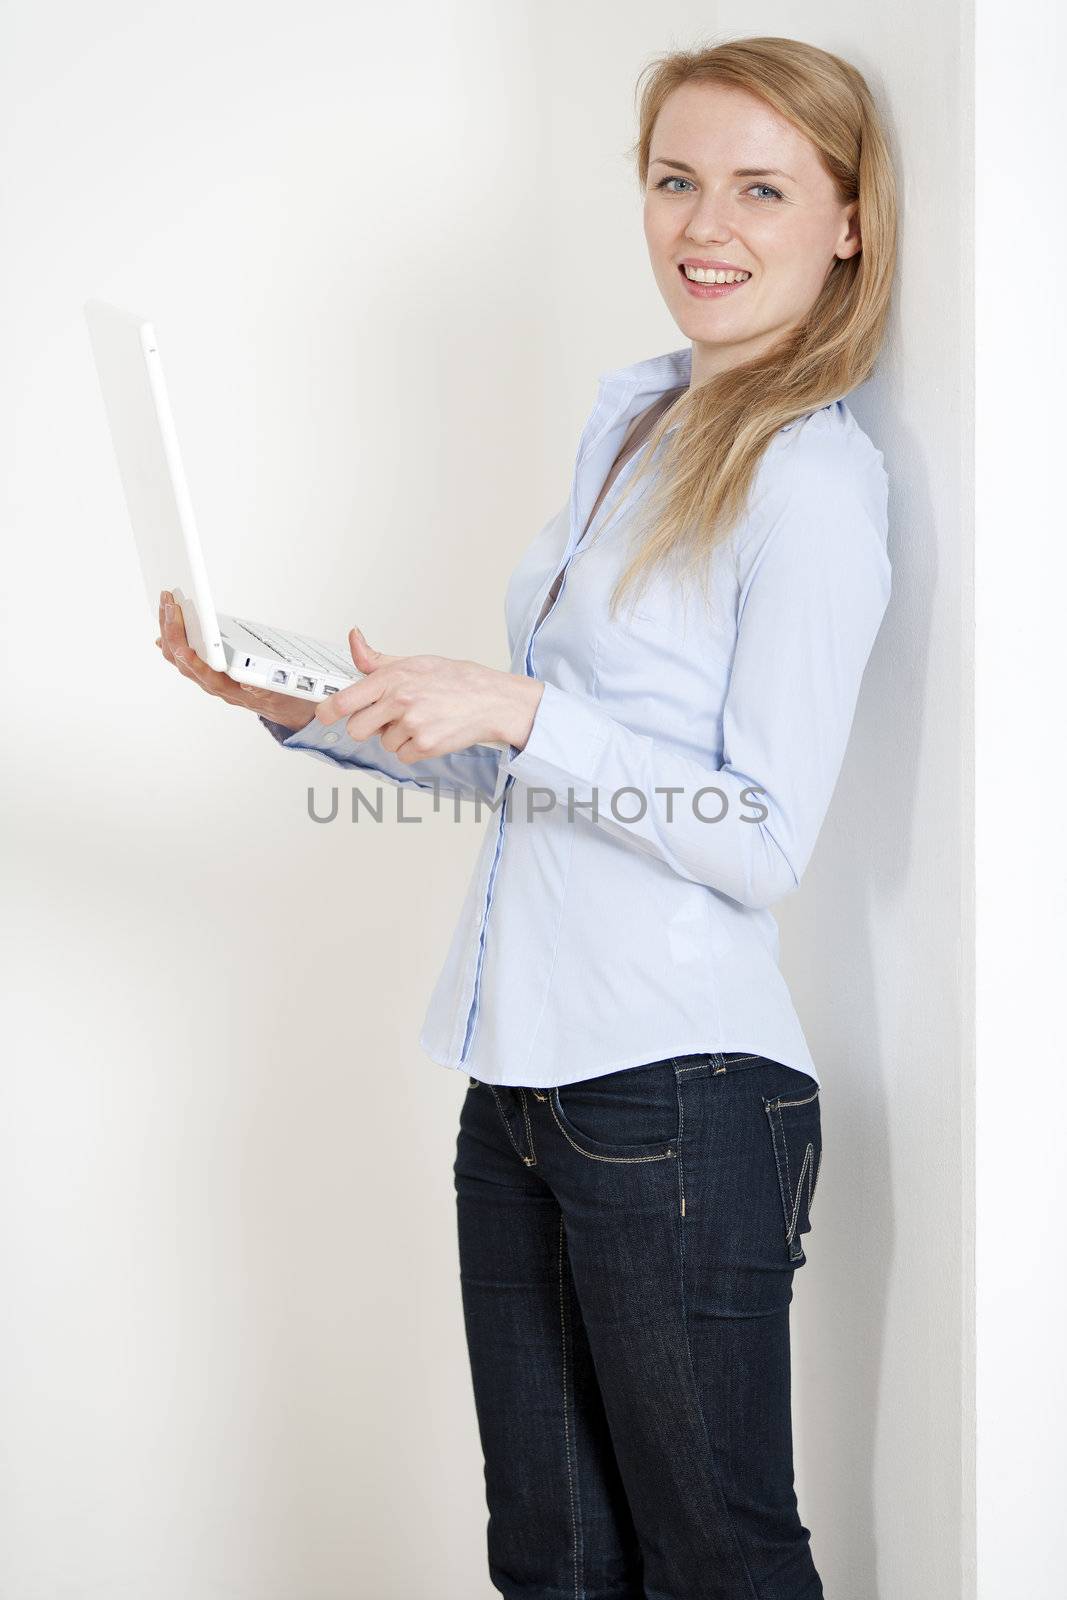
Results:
x,y
710,291
713,266
701,267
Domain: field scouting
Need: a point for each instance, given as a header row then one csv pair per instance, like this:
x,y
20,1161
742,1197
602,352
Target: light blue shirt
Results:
x,y
589,942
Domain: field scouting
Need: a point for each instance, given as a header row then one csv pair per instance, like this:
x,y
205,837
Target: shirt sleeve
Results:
x,y
471,774
810,603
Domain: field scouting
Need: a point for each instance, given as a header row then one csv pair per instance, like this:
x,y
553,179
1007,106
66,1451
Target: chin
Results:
x,y
710,331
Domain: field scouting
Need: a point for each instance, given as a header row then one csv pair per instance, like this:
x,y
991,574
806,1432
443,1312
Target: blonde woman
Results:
x,y
640,1139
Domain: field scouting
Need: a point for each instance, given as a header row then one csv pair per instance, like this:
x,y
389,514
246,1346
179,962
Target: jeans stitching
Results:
x,y
779,1144
591,1154
531,1159
785,1158
808,1167
805,1102
571,1484
507,1124
715,1062
814,1183
681,1133
696,1388
805,1171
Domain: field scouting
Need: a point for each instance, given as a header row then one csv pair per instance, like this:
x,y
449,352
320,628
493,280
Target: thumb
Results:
x,y
365,658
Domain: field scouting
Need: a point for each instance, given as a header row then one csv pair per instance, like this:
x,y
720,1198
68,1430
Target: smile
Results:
x,y
710,285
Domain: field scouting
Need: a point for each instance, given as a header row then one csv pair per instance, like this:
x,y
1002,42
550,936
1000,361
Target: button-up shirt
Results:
x,y
680,763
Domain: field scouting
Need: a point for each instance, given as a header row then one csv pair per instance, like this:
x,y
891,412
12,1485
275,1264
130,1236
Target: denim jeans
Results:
x,y
627,1247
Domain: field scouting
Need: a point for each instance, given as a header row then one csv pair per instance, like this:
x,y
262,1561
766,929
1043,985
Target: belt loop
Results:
x,y
717,1063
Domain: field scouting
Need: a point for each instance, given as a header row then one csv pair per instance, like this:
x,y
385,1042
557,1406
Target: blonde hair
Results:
x,y
722,427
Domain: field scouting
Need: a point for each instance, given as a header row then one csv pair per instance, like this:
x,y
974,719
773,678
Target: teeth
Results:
x,y
699,275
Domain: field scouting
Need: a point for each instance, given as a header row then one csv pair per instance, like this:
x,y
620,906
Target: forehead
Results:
x,y
718,125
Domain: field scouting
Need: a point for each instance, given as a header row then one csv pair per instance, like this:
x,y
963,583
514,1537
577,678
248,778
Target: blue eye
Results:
x,y
663,182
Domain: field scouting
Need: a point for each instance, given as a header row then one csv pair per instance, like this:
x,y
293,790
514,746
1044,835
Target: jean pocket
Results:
x,y
795,1121
632,1115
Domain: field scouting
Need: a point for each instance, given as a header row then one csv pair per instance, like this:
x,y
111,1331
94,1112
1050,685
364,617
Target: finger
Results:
x,y
175,646
191,666
215,682
172,626
164,644
391,735
173,617
183,659
176,639
366,658
408,751
355,697
378,718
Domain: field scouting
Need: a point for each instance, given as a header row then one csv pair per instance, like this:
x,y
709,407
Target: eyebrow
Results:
x,y
738,172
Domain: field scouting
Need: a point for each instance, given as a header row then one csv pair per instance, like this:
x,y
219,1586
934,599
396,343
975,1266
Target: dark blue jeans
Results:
x,y
627,1247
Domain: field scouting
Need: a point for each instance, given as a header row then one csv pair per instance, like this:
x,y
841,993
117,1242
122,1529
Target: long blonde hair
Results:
x,y
721,428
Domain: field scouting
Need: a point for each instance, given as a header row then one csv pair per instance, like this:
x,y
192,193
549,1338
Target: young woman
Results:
x,y
640,1140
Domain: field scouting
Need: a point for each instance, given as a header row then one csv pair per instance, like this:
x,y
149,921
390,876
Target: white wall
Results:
x,y
1020,582
231,1351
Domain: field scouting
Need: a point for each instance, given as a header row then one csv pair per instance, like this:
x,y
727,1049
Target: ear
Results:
x,y
850,242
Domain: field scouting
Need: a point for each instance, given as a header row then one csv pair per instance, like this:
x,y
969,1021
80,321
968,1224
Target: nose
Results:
x,y
709,221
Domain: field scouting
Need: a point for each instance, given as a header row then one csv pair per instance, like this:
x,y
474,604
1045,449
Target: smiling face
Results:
x,y
732,182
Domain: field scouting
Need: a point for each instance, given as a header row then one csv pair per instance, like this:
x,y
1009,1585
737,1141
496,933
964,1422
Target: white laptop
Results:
x,y
161,512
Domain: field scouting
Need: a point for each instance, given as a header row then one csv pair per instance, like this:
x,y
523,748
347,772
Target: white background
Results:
x,y
1019,1400
387,252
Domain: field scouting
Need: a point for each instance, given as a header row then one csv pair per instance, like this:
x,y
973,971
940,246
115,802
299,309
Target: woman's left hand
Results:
x,y
425,706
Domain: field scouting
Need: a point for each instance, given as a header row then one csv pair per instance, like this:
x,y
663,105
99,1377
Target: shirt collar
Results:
x,y
651,377
643,381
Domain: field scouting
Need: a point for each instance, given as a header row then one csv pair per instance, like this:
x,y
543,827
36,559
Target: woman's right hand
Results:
x,y
285,709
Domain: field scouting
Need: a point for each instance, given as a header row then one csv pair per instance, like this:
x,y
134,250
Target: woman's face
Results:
x,y
705,203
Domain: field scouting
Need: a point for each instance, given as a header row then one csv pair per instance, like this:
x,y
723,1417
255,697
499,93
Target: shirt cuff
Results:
x,y
566,740
281,733
314,735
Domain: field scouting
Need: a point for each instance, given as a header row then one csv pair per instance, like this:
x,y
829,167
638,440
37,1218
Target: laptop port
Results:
x,y
305,683
279,675
330,688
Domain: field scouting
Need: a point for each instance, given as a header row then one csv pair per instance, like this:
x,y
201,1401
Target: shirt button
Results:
x,y
330,738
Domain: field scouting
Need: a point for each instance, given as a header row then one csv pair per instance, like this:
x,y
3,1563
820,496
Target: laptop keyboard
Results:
x,y
300,651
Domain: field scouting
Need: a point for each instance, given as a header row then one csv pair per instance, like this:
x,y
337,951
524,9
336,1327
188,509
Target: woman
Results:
x,y
640,1140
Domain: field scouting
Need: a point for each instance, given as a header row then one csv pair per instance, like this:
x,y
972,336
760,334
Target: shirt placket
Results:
x,y
605,415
